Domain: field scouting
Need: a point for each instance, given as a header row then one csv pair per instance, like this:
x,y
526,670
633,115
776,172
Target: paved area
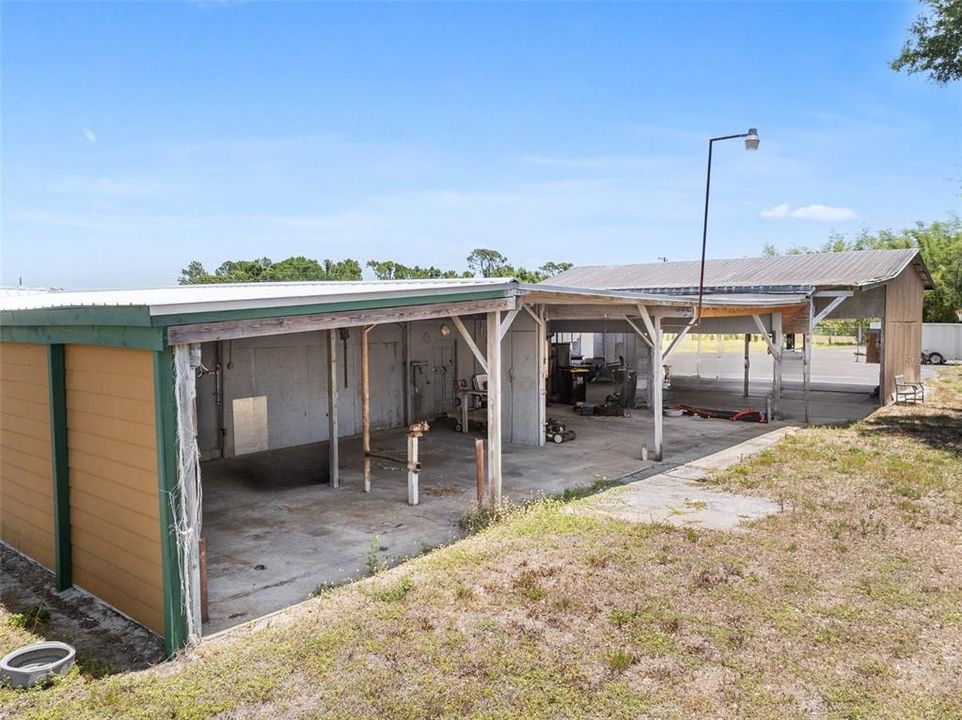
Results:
x,y
276,531
679,496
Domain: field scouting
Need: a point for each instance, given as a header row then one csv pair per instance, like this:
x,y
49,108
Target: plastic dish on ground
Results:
x,y
36,663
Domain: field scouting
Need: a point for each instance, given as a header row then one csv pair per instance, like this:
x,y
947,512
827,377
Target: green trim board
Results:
x,y
140,338
60,469
124,316
165,409
314,309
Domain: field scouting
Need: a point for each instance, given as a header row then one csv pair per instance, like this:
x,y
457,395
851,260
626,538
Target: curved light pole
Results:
x,y
751,143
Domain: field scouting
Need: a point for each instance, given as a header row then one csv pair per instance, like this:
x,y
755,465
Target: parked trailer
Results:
x,y
941,342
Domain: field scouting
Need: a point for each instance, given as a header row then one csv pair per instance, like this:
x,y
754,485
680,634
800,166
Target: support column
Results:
x,y
494,408
333,473
779,342
542,373
61,471
657,387
748,342
809,337
366,407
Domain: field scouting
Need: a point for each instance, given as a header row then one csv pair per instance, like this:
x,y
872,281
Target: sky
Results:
x,y
137,137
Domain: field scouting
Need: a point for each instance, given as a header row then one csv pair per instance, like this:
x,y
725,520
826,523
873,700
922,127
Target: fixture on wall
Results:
x,y
445,329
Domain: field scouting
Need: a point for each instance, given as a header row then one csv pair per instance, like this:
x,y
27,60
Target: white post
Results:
x,y
748,341
334,478
779,343
657,389
412,468
366,408
494,408
542,375
807,355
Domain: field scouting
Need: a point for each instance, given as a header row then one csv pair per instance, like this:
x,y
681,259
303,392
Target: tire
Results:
x,y
627,413
558,439
937,358
458,428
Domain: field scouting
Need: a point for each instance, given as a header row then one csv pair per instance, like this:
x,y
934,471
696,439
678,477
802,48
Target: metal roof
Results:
x,y
770,273
216,297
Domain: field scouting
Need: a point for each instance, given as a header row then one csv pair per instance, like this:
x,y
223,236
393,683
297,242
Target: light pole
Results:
x,y
751,143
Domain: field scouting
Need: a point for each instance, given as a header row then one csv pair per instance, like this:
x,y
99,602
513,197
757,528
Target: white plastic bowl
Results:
x,y
35,663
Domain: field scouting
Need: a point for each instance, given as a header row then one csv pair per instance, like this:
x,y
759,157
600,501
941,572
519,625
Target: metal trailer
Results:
x,y
941,343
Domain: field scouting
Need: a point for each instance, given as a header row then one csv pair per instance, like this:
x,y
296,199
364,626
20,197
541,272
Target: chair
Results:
x,y
910,392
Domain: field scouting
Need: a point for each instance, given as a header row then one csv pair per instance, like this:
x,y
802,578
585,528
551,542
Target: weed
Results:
x,y
374,564
34,619
691,535
395,591
619,659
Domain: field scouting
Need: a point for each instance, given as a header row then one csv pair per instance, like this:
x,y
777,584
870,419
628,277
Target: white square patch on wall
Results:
x,y
250,425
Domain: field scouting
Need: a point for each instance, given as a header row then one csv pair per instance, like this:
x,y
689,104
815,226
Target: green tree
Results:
x,y
940,243
934,45
265,270
487,263
390,270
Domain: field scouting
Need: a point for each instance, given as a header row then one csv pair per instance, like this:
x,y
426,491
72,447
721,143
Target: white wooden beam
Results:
x,y
478,355
259,327
678,338
779,343
638,331
494,409
366,406
657,386
536,315
506,323
333,474
646,318
827,310
807,356
764,333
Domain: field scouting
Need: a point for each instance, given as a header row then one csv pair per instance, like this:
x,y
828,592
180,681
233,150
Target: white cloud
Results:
x,y
820,213
90,135
777,213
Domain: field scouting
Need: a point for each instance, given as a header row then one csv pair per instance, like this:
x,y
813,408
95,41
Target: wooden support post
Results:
x,y
333,474
657,385
479,467
748,343
493,363
204,605
779,343
807,357
366,407
406,372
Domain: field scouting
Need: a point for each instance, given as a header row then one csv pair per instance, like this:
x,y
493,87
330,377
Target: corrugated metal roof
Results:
x,y
200,298
792,272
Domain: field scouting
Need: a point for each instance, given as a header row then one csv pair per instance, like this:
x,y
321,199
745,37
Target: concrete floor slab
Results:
x,y
276,532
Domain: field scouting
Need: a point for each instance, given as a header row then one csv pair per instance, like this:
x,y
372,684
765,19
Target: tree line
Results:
x,y
940,244
482,262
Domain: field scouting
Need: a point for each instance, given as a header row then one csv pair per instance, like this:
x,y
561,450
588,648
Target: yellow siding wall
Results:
x,y
112,454
26,481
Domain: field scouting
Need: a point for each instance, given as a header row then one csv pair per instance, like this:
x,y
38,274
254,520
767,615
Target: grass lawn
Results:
x,y
846,605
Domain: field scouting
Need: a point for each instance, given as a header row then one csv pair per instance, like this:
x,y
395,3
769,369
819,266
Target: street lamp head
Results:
x,y
751,139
